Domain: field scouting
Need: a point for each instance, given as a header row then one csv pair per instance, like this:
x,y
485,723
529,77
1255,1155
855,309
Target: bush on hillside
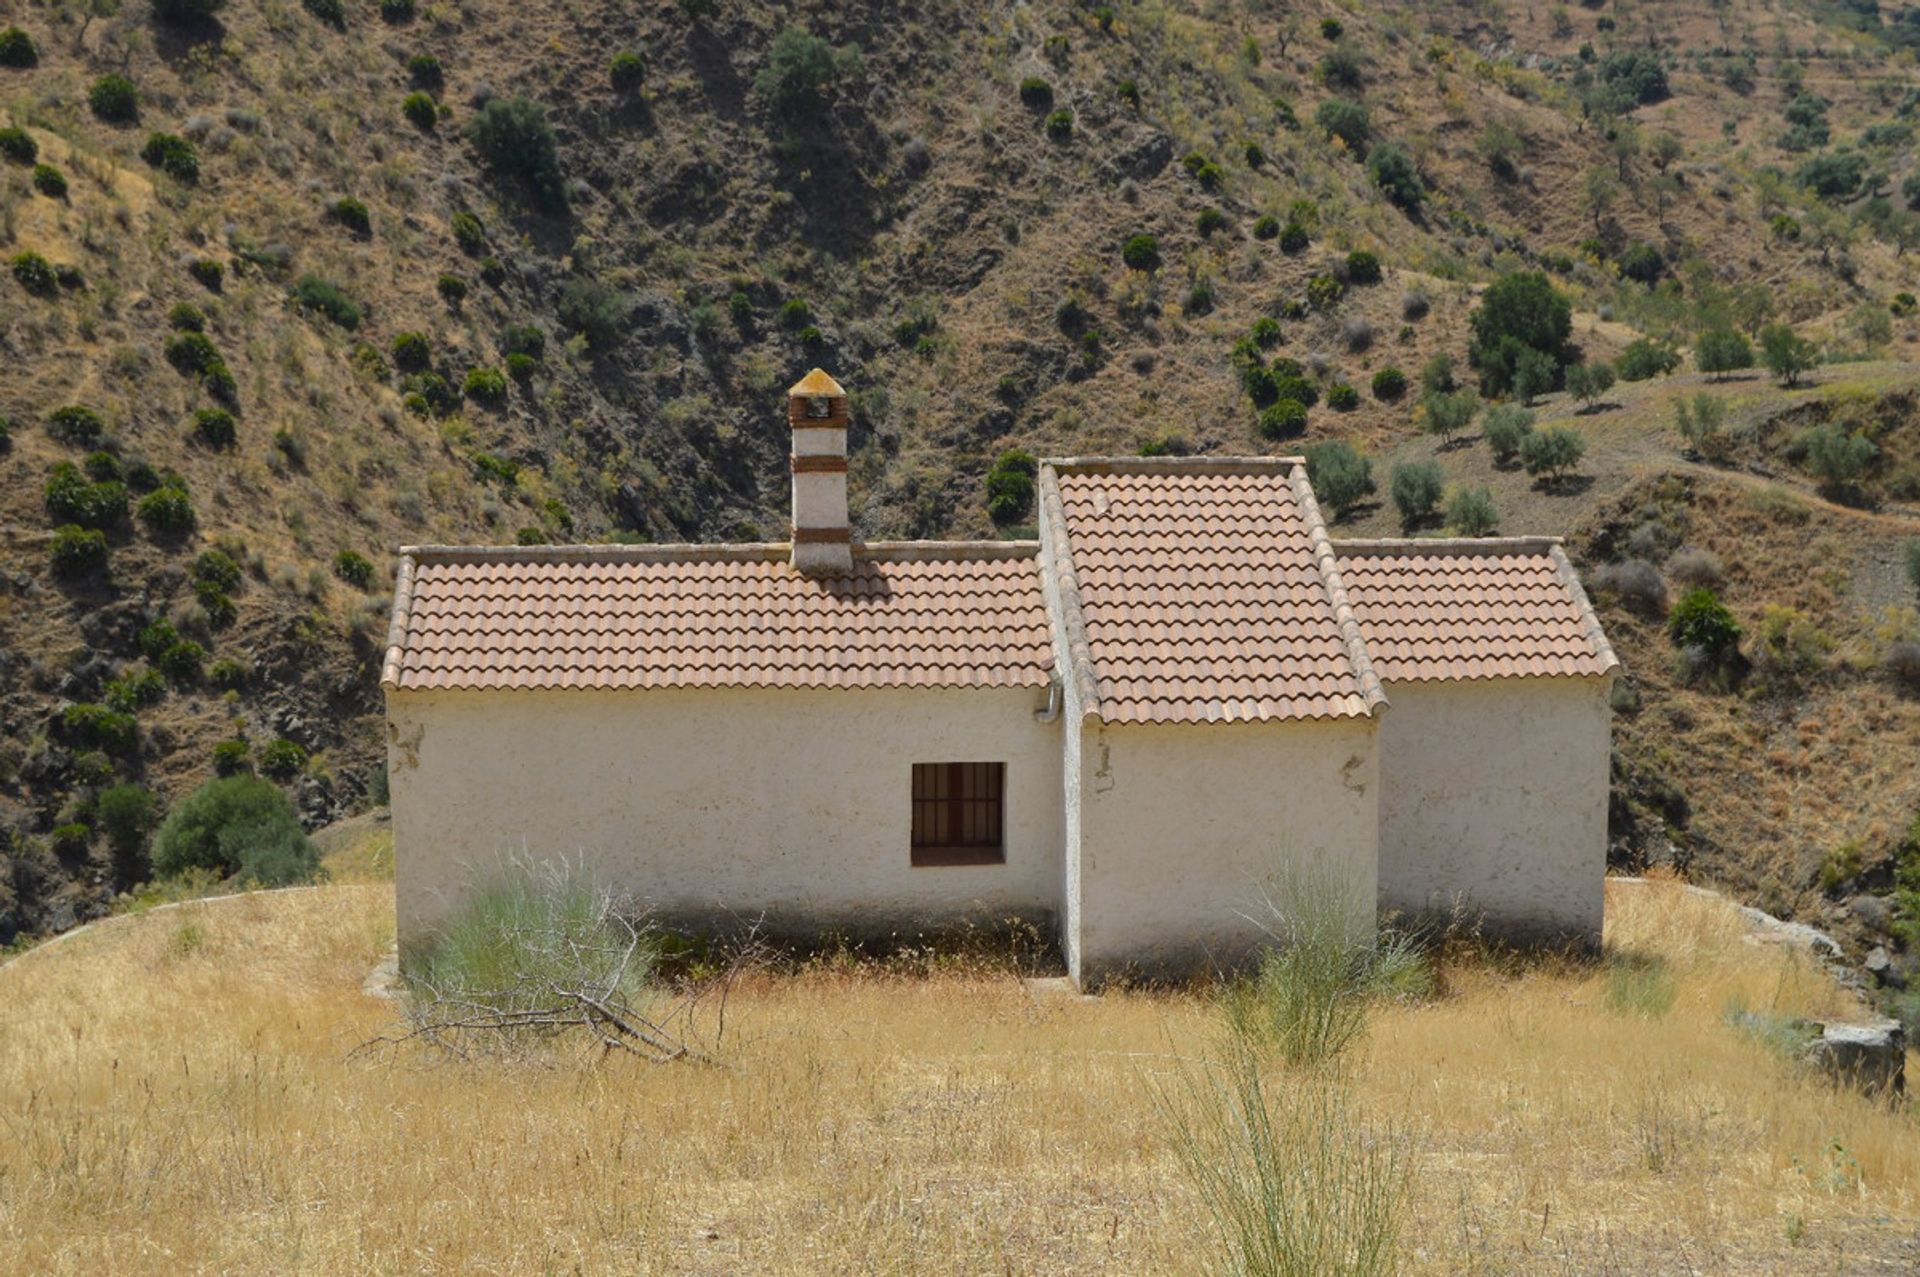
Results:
x,y
420,109
1142,252
515,140
1389,384
172,155
49,181
1588,381
452,289
216,570
1838,459
469,234
325,297
283,759
81,427
1700,620
215,428
1266,226
396,11
17,49
97,727
71,498
232,758
1342,398
1283,419
331,12
77,552
238,827
800,67
35,274
1347,121
17,145
1010,486
627,71
352,214
114,99
209,273
485,385
1294,239
167,511
1448,414
354,568
1363,267
1397,176
186,12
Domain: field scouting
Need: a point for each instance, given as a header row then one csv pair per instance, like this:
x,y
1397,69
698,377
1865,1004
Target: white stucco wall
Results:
x,y
1496,798
1183,826
725,802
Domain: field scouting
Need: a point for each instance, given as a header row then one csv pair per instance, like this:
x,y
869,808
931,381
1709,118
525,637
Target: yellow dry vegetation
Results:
x,y
178,1094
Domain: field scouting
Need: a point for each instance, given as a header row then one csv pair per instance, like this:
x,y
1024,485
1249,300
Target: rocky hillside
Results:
x,y
329,276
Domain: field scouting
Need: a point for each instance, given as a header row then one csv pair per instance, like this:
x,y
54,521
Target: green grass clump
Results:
x,y
326,298
1640,984
529,930
49,181
1309,997
354,568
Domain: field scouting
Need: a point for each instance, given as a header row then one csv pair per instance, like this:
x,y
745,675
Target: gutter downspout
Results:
x,y
1052,710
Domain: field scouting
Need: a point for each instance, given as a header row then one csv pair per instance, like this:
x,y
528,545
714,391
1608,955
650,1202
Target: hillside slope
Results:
x,y
932,203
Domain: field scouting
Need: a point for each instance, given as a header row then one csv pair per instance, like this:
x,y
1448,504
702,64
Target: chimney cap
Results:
x,y
814,384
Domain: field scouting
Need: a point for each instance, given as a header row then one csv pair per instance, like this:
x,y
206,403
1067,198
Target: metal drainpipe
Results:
x,y
1052,710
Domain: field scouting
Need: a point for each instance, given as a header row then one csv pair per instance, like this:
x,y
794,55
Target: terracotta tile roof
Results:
x,y
910,615
1200,590
1508,607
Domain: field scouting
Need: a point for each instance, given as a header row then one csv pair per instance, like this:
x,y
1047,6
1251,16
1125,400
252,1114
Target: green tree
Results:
x,y
1587,382
800,66
1552,452
1416,488
1517,313
1505,430
1700,422
1339,475
1787,354
514,139
241,826
1719,351
1837,458
125,814
1471,512
1448,414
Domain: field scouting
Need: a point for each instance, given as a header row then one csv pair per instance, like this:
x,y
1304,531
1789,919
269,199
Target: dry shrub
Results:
x,y
1636,583
1694,567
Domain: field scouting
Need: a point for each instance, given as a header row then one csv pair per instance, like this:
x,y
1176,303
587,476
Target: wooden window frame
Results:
x,y
928,854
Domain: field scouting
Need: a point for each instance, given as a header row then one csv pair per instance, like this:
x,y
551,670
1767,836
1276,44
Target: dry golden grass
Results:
x,y
177,1095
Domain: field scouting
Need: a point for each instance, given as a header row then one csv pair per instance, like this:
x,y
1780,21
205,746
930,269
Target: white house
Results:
x,y
1123,730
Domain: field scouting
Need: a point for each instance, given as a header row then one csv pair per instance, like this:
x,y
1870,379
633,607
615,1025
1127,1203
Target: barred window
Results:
x,y
959,811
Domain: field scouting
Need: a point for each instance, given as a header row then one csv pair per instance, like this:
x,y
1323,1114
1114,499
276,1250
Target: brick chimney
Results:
x,y
817,411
